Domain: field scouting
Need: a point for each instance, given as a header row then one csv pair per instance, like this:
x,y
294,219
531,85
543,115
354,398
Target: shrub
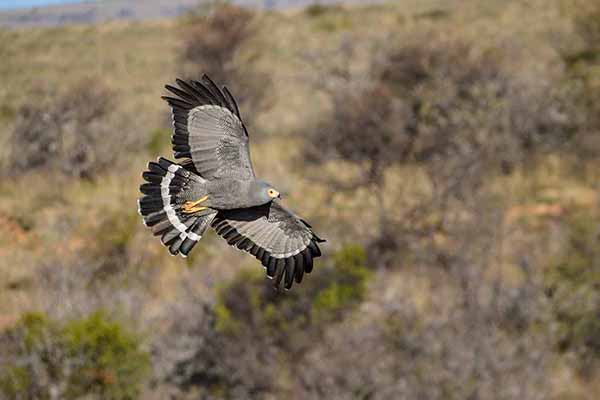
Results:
x,y
159,141
249,303
317,10
109,361
212,43
67,132
252,324
93,356
457,111
587,23
573,284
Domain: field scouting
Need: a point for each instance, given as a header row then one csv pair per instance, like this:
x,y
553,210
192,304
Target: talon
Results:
x,y
190,210
191,206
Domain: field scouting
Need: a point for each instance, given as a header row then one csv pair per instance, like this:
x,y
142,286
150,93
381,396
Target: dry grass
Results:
x,y
79,243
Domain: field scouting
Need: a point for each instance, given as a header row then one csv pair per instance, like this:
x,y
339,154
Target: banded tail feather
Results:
x,y
161,206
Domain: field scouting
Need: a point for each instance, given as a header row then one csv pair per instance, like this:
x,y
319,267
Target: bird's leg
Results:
x,y
190,207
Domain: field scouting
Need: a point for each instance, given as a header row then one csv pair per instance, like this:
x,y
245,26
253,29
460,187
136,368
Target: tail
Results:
x,y
161,206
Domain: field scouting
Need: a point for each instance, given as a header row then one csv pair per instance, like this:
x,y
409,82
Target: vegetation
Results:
x,y
213,40
572,286
89,356
449,155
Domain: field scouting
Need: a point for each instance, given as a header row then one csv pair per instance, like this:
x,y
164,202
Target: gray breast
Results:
x,y
226,194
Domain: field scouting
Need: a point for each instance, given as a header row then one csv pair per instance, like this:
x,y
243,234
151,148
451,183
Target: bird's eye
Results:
x,y
272,193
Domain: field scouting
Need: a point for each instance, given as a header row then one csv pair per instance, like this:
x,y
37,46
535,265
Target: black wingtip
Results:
x,y
318,239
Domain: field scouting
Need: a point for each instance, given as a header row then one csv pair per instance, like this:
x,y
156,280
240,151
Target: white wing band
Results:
x,y
166,198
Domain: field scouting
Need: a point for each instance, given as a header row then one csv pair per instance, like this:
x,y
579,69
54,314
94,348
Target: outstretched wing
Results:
x,y
284,243
208,129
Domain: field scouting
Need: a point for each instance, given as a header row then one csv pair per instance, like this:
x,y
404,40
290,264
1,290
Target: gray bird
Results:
x,y
215,186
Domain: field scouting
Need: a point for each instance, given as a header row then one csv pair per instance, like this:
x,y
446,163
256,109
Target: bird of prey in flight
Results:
x,y
214,185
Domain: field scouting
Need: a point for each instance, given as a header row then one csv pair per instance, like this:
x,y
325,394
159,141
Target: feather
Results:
x,y
280,265
260,253
169,236
187,246
182,148
243,243
314,249
182,154
173,102
271,266
214,89
151,201
152,177
182,94
289,273
181,140
154,218
150,189
164,163
233,104
159,228
233,238
299,264
156,168
308,261
191,90
225,230
210,98
174,247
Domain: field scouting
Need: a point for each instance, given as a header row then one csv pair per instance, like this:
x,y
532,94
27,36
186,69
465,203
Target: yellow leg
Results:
x,y
191,206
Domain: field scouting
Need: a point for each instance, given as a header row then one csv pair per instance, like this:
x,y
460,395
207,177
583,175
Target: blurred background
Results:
x,y
448,151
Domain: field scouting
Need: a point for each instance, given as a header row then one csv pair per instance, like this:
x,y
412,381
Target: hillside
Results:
x,y
447,151
93,12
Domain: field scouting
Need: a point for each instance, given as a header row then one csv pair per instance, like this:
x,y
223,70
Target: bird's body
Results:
x,y
216,186
227,193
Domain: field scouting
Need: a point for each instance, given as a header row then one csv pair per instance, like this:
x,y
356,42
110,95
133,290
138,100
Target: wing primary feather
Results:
x,y
271,266
214,89
192,90
243,243
289,273
260,253
299,264
174,247
314,249
232,102
308,261
182,94
280,266
156,168
233,238
173,102
206,93
225,230
253,249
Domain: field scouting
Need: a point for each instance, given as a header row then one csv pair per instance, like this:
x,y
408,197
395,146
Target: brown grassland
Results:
x,y
447,150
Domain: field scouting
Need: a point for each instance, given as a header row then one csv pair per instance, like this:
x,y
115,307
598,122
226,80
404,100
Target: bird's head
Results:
x,y
265,192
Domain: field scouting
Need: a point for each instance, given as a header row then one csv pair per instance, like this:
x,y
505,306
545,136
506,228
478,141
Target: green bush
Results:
x,y
93,356
346,285
30,338
574,287
316,9
252,324
249,302
160,139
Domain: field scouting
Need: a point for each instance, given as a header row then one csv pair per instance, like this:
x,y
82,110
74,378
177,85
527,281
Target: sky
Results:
x,y
13,4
